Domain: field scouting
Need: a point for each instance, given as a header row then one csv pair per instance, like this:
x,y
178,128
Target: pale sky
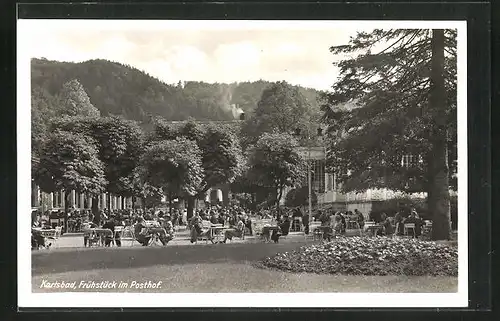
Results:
x,y
298,55
211,51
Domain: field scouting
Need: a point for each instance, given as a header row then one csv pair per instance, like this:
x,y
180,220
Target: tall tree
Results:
x,y
300,197
74,101
281,108
175,166
69,161
276,163
220,151
43,109
392,109
119,143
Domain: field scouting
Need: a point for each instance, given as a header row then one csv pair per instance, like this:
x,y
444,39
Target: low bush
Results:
x,y
370,256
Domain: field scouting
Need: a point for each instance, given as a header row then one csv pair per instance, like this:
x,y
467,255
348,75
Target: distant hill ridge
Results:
x,y
118,89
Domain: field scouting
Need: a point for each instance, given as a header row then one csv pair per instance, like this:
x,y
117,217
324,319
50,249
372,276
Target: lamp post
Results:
x,y
309,183
309,178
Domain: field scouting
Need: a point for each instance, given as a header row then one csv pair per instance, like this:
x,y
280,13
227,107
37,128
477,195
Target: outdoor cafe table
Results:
x,y
216,232
267,231
155,232
44,232
321,231
101,233
373,229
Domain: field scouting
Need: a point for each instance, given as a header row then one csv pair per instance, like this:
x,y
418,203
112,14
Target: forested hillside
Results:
x,y
117,89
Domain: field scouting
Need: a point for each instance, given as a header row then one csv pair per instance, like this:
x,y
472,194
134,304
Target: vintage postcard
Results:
x,y
246,163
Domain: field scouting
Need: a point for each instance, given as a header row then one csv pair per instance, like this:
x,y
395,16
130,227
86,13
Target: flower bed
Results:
x,y
370,256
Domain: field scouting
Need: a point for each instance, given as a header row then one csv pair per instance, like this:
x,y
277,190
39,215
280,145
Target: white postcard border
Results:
x,y
26,298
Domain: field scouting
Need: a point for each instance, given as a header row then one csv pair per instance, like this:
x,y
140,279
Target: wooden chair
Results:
x,y
205,232
427,230
314,232
409,226
118,231
354,225
127,234
54,235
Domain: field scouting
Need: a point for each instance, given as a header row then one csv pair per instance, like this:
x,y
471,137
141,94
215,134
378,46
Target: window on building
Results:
x,y
410,160
318,170
329,184
56,199
77,200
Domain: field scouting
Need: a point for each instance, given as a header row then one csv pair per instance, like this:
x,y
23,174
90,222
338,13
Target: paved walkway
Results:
x,y
75,240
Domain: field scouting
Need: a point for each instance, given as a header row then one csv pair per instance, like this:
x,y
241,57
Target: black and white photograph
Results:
x,y
242,163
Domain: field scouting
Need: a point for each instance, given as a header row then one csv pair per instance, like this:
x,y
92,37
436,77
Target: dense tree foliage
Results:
x,y
175,166
43,109
282,108
74,101
69,162
220,152
222,156
300,197
396,98
119,146
275,163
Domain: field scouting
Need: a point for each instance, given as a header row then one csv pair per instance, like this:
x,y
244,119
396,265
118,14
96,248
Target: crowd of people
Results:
x,y
234,220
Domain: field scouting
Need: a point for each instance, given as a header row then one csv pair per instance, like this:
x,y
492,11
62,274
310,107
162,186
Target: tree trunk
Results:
x,y
439,184
109,202
225,196
190,207
95,209
279,194
170,204
133,203
67,197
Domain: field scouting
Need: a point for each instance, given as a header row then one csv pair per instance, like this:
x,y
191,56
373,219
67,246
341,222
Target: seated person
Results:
x,y
285,226
220,219
232,220
168,227
213,218
344,224
248,225
142,234
276,235
37,240
387,228
413,218
266,232
398,220
359,218
110,225
337,224
239,231
305,222
196,228
323,218
327,233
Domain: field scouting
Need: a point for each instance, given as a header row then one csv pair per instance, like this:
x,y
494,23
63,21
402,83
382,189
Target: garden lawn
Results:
x,y
210,268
